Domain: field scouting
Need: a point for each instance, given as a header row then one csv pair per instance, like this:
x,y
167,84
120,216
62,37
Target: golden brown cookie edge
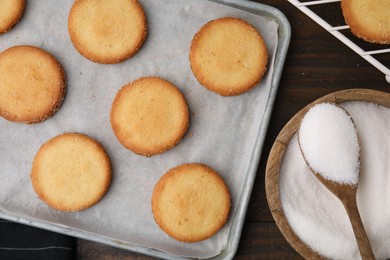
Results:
x,y
84,50
62,86
356,29
22,6
160,186
35,180
194,65
140,150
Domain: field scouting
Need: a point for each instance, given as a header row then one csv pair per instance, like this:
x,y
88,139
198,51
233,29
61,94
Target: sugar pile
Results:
x,y
317,216
329,143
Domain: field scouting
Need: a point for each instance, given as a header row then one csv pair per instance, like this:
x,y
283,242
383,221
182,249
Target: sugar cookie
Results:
x,y
149,116
10,13
32,84
191,202
71,172
368,19
228,56
107,31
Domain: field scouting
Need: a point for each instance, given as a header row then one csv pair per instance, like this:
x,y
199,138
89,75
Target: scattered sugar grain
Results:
x,y
317,216
329,142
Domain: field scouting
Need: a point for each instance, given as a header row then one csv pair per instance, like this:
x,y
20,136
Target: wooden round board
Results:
x,y
277,152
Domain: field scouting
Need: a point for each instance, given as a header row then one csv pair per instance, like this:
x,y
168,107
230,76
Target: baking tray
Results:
x,y
284,34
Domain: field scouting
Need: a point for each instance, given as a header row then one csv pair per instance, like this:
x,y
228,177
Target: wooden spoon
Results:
x,y
347,195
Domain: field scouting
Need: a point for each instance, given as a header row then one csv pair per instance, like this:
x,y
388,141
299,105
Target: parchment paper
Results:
x,y
222,130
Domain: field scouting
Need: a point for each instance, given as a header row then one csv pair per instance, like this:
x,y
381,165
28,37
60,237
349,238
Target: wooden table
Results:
x,y
316,64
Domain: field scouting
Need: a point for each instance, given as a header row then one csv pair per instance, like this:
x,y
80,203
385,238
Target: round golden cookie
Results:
x,y
191,202
107,31
368,19
149,116
228,56
10,13
32,84
71,172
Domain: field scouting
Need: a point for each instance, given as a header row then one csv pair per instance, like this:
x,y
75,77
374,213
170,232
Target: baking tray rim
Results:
x,y
284,35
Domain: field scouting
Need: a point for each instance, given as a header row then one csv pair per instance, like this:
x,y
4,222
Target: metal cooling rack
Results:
x,y
368,55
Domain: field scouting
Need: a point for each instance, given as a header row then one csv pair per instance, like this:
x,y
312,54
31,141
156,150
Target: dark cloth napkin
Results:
x,y
19,241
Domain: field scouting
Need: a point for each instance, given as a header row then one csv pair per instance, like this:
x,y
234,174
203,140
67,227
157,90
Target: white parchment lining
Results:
x,y
222,130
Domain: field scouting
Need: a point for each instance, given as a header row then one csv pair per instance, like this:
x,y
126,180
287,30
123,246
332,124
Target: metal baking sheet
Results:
x,y
237,220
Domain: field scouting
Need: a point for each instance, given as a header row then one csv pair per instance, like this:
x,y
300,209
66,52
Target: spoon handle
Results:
x,y
358,228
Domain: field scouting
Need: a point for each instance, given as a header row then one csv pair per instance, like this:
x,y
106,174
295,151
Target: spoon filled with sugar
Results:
x,y
329,144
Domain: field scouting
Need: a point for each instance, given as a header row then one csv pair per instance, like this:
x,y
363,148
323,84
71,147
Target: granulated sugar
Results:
x,y
329,143
317,216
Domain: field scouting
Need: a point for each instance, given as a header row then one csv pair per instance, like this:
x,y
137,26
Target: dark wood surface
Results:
x,y
317,64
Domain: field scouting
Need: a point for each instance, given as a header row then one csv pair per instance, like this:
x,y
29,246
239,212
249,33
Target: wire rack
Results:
x,y
371,55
